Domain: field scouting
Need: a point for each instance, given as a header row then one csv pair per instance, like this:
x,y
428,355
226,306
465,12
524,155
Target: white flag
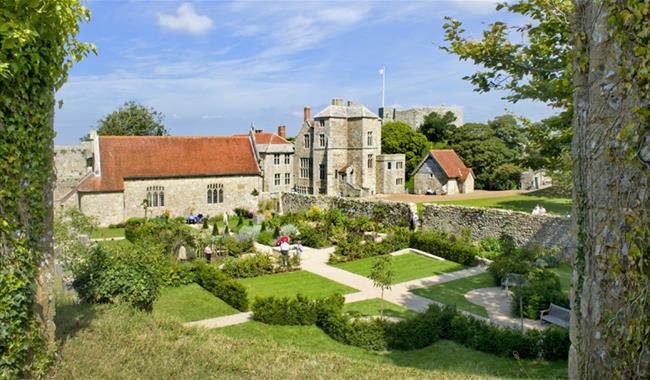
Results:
x,y
381,71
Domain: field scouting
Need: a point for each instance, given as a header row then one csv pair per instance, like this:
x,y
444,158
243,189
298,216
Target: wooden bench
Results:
x,y
511,279
556,315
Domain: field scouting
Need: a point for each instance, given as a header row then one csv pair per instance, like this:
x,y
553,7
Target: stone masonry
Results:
x,y
415,116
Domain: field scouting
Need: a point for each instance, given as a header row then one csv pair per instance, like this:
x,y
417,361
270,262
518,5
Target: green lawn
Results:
x,y
190,303
524,202
372,307
105,232
406,267
291,283
453,292
444,355
565,272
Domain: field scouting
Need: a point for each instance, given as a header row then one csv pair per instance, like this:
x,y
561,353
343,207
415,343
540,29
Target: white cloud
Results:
x,y
186,20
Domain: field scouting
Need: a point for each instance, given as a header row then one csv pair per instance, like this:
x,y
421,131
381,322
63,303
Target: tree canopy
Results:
x,y
399,137
437,127
132,119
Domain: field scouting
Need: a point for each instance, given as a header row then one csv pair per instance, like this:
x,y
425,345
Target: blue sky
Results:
x,y
214,68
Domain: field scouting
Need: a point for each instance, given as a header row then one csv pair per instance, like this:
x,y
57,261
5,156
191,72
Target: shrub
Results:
x,y
118,276
399,239
297,311
215,229
446,246
177,274
266,238
218,283
370,334
248,233
169,234
313,237
250,266
242,213
235,246
205,224
290,230
541,288
419,331
489,248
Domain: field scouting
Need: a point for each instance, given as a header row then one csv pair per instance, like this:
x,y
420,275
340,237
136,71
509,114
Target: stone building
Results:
x,y
415,116
535,180
443,172
339,152
72,163
179,174
275,156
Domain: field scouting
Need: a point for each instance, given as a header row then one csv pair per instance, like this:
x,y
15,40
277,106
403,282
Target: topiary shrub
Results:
x,y
218,283
250,266
118,276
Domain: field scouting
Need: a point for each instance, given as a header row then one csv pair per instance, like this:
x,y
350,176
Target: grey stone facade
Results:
x,y
415,116
337,152
71,164
545,230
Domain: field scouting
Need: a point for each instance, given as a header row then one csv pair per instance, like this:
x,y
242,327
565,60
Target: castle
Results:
x,y
114,178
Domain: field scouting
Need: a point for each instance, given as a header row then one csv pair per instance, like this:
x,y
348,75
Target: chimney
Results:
x,y
258,131
307,113
349,103
282,131
337,102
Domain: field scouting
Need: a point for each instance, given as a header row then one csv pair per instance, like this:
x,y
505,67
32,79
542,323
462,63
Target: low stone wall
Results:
x,y
545,230
393,213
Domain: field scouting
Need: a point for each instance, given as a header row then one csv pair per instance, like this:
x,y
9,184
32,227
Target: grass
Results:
x,y
291,283
190,303
406,267
106,232
453,292
452,359
112,244
565,272
523,202
372,307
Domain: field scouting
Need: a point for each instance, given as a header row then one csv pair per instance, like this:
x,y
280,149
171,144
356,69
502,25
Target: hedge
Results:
x,y
251,266
299,311
218,283
446,246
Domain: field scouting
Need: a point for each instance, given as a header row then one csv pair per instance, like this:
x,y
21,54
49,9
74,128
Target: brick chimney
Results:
x,y
282,131
337,102
307,112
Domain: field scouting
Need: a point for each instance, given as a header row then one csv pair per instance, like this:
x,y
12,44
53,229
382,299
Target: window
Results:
x,y
276,179
307,140
322,140
321,123
287,159
156,196
370,160
305,168
321,169
276,159
388,165
399,181
399,165
287,178
215,193
370,138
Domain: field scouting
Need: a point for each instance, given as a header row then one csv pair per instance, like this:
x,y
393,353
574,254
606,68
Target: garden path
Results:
x,y
497,303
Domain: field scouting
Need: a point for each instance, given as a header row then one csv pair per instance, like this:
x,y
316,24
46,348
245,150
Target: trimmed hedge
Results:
x,y
218,283
299,311
251,266
446,246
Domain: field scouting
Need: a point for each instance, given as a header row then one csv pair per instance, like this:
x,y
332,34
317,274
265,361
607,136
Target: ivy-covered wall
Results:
x,y
37,47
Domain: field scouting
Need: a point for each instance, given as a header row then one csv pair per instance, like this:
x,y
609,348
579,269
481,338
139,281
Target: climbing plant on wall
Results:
x,y
38,46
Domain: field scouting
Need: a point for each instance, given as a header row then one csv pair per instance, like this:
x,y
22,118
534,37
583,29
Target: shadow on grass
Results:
x,y
72,317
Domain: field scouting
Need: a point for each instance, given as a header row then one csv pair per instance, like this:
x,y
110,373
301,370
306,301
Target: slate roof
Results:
x,y
123,157
346,112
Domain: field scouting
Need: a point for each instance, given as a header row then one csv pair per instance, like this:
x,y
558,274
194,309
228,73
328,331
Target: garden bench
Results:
x,y
511,279
556,315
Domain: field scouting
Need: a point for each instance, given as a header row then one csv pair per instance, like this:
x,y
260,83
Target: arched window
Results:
x,y
156,196
215,193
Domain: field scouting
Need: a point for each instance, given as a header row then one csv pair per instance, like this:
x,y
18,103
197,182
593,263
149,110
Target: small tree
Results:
x,y
215,229
382,276
205,224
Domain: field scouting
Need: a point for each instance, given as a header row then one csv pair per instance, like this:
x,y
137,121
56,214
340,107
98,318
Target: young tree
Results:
x,y
437,127
38,47
132,119
398,137
382,276
610,330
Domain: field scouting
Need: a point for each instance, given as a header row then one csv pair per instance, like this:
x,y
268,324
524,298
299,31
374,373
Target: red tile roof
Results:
x,y
264,138
451,164
168,157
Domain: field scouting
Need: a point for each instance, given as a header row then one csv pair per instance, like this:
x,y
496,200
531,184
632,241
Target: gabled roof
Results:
x,y
346,112
451,164
123,157
265,138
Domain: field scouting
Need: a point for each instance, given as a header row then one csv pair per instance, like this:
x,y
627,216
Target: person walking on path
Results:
x,y
182,254
284,254
298,248
207,251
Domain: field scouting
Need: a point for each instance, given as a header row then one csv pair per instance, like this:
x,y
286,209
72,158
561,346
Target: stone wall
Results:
x,y
71,164
395,213
546,230
415,116
108,208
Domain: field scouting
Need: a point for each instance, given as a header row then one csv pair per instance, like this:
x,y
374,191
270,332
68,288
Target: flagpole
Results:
x,y
383,85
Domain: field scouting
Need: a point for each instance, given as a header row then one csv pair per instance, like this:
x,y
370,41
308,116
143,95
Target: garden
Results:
x,y
294,308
